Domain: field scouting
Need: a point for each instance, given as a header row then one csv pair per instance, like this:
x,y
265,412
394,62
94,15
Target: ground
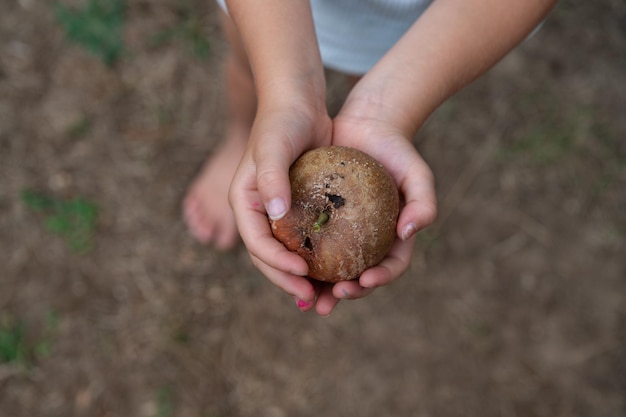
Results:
x,y
513,304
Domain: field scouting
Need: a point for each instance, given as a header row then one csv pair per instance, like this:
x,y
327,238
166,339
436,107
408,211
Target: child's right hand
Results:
x,y
261,189
279,38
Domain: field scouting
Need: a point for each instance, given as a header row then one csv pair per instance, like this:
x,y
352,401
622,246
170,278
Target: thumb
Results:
x,y
272,176
420,208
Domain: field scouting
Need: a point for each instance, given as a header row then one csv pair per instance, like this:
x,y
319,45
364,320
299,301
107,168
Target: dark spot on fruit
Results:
x,y
338,240
336,200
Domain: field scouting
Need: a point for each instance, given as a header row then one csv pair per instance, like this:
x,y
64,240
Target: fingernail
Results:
x,y
408,231
302,304
276,208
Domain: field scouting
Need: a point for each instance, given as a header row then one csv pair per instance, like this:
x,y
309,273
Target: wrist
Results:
x,y
279,39
305,93
295,111
376,104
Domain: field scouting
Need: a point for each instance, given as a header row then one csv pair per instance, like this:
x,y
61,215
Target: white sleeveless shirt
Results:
x,y
354,34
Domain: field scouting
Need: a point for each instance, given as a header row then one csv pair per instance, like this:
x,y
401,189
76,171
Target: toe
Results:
x,y
226,239
197,226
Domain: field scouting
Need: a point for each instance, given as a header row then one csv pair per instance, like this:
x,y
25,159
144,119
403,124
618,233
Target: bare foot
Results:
x,y
206,210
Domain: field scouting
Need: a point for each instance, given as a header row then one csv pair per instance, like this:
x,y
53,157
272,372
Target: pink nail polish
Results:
x,y
302,304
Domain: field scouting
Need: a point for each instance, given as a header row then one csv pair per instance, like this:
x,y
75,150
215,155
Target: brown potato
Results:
x,y
343,213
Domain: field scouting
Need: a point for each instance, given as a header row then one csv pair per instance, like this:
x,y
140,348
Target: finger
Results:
x,y
299,287
254,226
420,209
350,290
256,233
304,306
272,176
395,263
225,239
326,301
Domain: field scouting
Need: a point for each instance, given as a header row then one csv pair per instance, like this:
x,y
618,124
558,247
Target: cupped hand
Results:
x,y
415,181
261,189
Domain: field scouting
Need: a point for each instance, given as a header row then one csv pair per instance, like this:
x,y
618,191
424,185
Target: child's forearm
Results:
x,y
280,41
454,42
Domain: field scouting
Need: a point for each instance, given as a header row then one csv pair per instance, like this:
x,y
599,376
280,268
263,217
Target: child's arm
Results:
x,y
279,38
452,43
280,41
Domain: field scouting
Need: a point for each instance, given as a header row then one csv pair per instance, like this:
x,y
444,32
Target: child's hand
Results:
x,y
260,188
416,184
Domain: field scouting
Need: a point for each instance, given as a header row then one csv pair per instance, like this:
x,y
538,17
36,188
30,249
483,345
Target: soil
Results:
x,y
514,303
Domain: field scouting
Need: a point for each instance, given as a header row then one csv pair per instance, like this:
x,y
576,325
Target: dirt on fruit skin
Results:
x,y
514,303
343,213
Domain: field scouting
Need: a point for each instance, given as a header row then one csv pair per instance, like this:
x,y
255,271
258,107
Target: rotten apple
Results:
x,y
343,212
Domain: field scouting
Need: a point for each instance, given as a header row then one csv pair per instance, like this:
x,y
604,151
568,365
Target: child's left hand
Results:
x,y
414,180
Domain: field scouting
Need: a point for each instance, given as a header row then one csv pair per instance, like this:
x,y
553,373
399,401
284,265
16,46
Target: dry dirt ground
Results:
x,y
513,305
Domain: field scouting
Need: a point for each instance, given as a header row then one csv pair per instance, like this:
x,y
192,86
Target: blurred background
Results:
x,y
514,304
